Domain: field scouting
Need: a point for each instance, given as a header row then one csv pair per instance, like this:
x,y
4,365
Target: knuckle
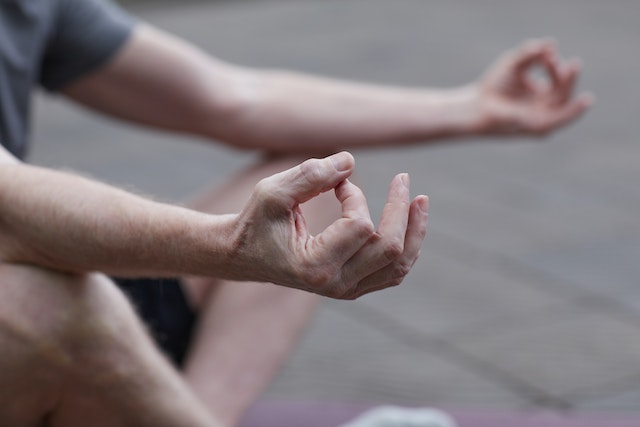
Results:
x,y
318,278
401,270
311,170
352,296
392,249
363,227
350,293
397,273
263,189
266,193
395,282
343,291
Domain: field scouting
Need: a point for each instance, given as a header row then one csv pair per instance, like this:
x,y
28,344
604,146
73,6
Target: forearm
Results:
x,y
65,222
289,111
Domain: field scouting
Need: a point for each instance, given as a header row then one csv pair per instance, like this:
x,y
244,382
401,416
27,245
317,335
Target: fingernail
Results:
x,y
342,161
423,204
405,179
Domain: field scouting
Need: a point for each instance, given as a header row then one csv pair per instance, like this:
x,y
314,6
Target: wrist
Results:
x,y
456,112
213,246
470,115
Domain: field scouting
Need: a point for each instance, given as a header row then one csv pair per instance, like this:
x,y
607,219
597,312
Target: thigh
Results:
x,y
246,330
31,326
74,353
53,328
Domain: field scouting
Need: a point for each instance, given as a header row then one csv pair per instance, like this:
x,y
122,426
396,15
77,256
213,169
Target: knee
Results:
x,y
59,317
52,328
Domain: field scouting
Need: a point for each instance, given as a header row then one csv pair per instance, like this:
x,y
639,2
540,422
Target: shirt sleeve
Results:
x,y
84,36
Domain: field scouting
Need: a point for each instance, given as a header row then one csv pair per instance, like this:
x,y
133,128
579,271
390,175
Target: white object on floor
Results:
x,y
395,416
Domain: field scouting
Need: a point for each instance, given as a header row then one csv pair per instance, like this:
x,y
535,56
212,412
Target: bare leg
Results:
x,y
75,354
246,330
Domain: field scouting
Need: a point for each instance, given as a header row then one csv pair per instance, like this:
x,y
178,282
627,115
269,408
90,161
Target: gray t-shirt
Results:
x,y
50,43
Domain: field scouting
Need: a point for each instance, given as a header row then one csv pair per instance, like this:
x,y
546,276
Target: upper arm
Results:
x,y
85,35
162,81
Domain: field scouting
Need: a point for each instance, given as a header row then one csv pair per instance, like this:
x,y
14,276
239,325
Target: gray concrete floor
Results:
x,y
527,295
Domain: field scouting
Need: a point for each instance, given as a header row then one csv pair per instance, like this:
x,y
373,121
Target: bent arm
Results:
x,y
162,81
66,222
165,82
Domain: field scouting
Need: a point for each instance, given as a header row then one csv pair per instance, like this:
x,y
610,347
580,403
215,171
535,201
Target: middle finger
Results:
x,y
387,244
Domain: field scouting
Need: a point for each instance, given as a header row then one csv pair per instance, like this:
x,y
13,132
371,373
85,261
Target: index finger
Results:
x,y
308,179
530,53
344,237
551,64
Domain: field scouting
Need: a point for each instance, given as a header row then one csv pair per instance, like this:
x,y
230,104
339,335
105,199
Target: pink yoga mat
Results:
x,y
278,414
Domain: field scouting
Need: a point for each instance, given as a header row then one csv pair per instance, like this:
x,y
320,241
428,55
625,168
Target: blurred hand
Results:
x,y
513,101
346,260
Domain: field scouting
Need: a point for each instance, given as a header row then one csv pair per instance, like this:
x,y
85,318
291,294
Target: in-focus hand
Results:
x,y
346,260
513,101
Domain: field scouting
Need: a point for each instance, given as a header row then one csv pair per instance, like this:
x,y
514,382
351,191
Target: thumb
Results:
x,y
312,177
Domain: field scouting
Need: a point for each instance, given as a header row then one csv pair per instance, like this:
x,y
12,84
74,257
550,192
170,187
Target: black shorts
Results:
x,y
162,305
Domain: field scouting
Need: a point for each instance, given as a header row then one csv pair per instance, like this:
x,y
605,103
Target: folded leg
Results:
x,y
246,330
75,354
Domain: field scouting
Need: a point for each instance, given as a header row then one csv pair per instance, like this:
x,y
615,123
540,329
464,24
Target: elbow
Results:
x,y
231,109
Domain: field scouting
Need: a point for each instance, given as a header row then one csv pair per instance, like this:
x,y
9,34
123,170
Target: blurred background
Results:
x,y
527,295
